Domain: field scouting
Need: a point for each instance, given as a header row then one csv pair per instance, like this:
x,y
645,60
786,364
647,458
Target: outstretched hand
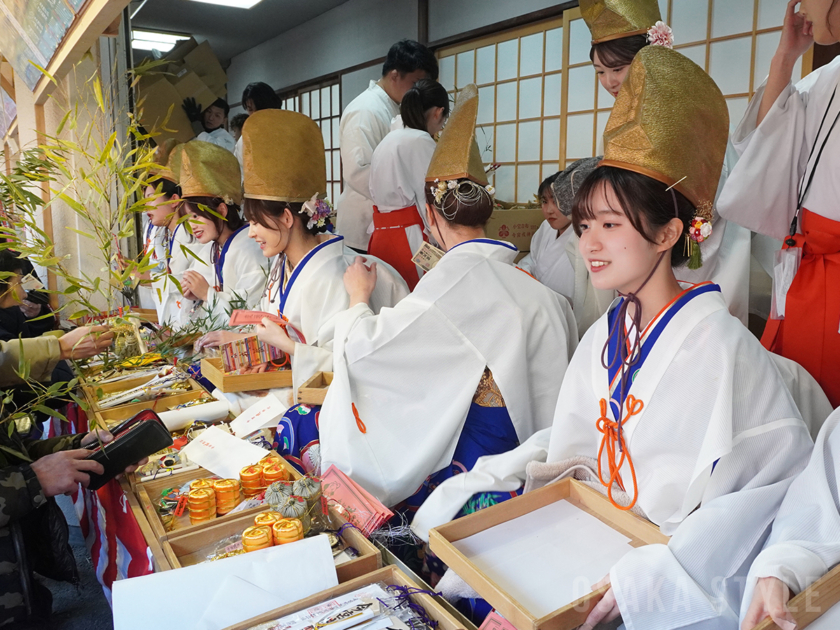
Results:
x,y
606,610
360,281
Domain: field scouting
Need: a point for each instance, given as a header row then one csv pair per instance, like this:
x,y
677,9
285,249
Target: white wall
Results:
x,y
353,33
356,82
453,17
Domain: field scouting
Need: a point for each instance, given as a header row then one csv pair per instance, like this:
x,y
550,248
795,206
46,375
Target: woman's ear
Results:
x,y
222,209
430,216
287,219
670,234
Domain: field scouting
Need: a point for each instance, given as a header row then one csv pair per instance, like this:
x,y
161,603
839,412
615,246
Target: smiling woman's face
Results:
x,y
610,78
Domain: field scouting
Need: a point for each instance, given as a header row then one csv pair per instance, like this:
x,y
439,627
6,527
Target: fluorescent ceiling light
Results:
x,y
152,40
237,4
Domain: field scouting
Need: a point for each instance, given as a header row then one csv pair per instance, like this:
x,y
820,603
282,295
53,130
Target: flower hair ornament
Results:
x,y
471,196
318,211
660,34
699,229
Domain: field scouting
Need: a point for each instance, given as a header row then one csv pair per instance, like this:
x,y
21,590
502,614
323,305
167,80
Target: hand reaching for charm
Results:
x,y
274,335
360,281
85,342
195,286
770,599
217,338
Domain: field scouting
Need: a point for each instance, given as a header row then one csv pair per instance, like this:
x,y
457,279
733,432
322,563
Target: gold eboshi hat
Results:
x,y
163,160
283,157
670,122
207,170
614,19
456,155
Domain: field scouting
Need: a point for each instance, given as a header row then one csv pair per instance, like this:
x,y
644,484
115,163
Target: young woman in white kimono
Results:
x,y
737,439
620,29
237,271
398,178
468,365
804,543
786,185
285,172
167,238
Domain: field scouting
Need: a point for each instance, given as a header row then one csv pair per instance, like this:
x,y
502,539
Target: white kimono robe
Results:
x,y
412,371
244,273
714,402
398,176
364,123
168,299
220,137
761,192
548,262
805,541
314,294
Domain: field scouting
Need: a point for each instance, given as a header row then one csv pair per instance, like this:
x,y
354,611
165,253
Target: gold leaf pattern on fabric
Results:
x,y
614,19
669,122
456,155
283,157
487,394
208,170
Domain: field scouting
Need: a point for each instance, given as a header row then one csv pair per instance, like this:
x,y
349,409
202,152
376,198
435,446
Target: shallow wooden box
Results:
x,y
388,575
314,391
186,549
640,531
812,603
211,369
148,493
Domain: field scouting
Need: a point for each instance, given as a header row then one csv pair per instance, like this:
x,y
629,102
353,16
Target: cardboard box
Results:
x,y
205,64
314,391
160,111
389,575
190,86
189,548
515,226
211,369
148,494
639,531
812,603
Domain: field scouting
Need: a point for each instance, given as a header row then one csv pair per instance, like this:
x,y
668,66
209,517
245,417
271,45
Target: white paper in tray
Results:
x,y
829,621
547,558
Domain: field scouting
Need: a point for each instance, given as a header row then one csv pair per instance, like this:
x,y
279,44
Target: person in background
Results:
x,y
209,125
236,125
364,123
398,178
256,97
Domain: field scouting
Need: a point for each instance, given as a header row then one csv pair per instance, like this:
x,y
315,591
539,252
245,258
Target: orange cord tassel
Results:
x,y
359,422
609,429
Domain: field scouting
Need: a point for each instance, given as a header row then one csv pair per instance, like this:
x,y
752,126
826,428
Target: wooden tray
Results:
x,y
640,531
115,415
148,493
121,386
812,603
389,575
313,391
158,559
211,369
186,549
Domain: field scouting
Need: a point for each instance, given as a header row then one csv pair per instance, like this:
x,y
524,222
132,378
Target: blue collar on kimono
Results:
x,y
220,261
488,241
648,340
285,291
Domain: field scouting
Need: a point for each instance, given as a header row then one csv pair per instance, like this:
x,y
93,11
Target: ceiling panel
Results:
x,y
230,31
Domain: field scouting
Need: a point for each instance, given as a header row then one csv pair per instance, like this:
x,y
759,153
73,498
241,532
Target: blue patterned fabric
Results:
x,y
297,437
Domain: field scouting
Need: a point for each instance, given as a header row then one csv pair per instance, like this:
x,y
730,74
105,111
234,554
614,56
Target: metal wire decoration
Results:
x,y
465,191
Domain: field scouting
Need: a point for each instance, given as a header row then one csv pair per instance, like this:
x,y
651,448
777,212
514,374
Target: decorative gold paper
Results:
x,y
456,155
208,170
614,19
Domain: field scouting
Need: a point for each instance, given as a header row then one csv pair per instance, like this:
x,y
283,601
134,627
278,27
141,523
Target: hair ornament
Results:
x,y
699,229
660,34
469,197
318,211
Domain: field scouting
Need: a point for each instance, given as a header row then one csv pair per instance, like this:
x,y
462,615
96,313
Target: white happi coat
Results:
x,y
220,137
761,193
805,541
713,401
412,371
364,123
168,299
242,282
314,294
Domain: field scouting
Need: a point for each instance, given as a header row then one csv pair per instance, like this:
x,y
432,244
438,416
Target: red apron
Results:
x,y
809,333
389,242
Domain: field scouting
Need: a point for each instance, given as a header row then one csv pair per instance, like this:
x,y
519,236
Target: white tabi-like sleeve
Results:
x,y
761,192
697,580
491,473
805,541
360,134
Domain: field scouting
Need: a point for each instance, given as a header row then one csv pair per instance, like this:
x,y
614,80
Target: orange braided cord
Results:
x,y
609,429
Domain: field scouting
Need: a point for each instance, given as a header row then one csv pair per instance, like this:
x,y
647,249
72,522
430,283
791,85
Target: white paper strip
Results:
x,y
222,454
261,414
